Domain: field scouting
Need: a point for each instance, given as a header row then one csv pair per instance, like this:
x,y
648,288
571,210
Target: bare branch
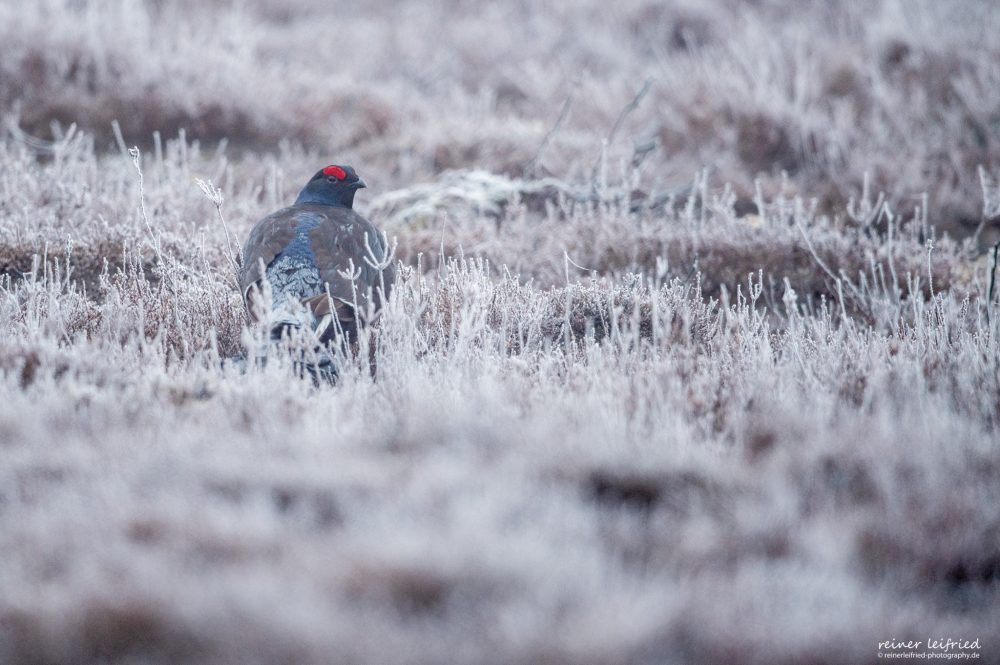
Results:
x,y
625,112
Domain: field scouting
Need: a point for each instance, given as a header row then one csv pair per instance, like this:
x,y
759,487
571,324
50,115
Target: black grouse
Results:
x,y
327,267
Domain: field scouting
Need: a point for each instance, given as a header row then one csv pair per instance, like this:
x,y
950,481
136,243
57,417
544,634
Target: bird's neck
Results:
x,y
346,200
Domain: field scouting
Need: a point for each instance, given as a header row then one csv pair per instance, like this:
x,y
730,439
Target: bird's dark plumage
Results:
x,y
307,251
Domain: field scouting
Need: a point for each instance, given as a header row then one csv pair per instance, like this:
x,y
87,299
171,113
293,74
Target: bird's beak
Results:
x,y
360,184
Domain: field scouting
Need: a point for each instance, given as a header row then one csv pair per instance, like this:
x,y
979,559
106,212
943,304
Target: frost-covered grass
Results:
x,y
657,407
902,90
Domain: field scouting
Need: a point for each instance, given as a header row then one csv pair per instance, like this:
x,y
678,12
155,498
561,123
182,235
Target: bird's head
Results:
x,y
333,185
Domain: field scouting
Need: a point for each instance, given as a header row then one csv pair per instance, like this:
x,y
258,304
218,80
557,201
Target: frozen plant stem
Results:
x,y
153,241
529,170
619,121
993,280
214,194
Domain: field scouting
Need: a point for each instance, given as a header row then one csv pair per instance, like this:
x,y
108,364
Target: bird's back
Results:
x,y
309,251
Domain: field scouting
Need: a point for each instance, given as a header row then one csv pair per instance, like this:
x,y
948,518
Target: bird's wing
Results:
x,y
267,239
338,244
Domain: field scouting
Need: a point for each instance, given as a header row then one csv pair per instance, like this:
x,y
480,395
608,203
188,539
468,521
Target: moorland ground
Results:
x,y
691,357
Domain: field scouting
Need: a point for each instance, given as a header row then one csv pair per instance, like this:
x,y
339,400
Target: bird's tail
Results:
x,y
312,358
283,322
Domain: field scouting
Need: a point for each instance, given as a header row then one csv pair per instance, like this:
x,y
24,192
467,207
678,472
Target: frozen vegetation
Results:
x,y
691,357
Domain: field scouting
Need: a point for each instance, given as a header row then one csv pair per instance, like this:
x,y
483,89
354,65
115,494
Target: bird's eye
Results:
x,y
330,178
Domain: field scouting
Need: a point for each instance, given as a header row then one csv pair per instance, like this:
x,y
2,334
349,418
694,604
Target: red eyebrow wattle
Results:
x,y
335,171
